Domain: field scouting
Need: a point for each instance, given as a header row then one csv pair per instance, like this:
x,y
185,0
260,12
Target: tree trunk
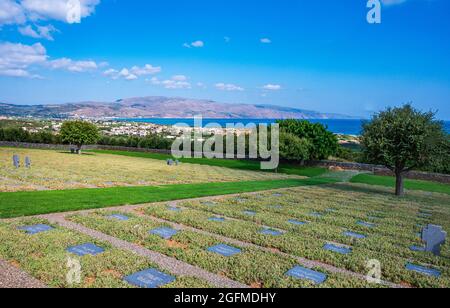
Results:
x,y
79,149
399,185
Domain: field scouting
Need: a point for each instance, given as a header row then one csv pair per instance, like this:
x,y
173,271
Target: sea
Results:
x,y
346,127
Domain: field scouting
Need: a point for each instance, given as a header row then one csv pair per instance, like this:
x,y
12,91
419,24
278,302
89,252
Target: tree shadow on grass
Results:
x,y
412,195
82,153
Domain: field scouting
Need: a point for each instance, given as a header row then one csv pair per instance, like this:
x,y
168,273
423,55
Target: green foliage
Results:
x,y
402,138
79,133
294,148
324,143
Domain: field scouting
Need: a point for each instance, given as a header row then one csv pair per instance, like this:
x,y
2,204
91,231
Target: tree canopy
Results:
x,y
324,143
403,139
79,133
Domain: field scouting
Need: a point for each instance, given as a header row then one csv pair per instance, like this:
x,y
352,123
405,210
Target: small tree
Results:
x,y
79,133
402,139
324,143
294,148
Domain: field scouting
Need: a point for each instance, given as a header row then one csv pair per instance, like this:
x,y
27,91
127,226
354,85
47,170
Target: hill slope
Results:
x,y
161,107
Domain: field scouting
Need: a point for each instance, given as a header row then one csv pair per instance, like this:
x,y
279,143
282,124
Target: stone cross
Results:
x,y
27,162
16,161
434,237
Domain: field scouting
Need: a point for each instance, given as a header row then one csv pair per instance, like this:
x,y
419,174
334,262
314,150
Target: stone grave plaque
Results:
x,y
355,235
150,279
86,249
276,207
224,250
119,217
272,232
165,232
250,213
297,222
27,162
278,195
35,229
431,272
366,224
338,249
303,273
208,203
174,209
434,237
316,214
16,161
217,219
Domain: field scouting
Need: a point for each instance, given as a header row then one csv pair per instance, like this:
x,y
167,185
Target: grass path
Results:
x,y
387,181
227,163
18,204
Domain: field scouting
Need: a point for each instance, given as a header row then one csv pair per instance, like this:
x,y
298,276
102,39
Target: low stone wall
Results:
x,y
378,170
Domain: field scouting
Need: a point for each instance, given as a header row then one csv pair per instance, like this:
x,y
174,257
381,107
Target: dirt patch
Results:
x,y
175,244
113,273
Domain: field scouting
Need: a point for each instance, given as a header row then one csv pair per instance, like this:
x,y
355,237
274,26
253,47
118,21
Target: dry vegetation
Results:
x,y
53,170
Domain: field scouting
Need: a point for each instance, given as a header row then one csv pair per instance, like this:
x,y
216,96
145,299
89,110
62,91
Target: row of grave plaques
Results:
x,y
152,278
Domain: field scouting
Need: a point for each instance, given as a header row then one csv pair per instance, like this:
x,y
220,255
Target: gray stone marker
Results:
x,y
434,237
169,162
27,162
16,161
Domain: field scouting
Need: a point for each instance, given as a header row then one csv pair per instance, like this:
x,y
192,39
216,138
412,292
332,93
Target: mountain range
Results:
x,y
161,107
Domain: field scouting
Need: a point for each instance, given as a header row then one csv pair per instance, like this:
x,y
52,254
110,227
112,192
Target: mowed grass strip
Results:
x,y
227,163
44,257
19,204
250,266
388,181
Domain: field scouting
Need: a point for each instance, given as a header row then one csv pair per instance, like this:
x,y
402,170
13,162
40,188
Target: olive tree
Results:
x,y
79,133
402,139
294,148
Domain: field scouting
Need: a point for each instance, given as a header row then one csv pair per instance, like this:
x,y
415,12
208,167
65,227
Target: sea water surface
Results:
x,y
347,127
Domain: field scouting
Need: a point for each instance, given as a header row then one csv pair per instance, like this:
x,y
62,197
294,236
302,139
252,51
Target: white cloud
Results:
x,y
196,44
69,11
133,73
266,41
73,66
11,13
16,59
39,32
146,70
272,87
175,83
228,87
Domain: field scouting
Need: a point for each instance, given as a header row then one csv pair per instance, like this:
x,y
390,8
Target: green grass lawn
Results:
x,y
18,204
409,184
227,163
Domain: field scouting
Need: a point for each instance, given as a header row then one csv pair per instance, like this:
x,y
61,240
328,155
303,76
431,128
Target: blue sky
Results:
x,y
319,55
